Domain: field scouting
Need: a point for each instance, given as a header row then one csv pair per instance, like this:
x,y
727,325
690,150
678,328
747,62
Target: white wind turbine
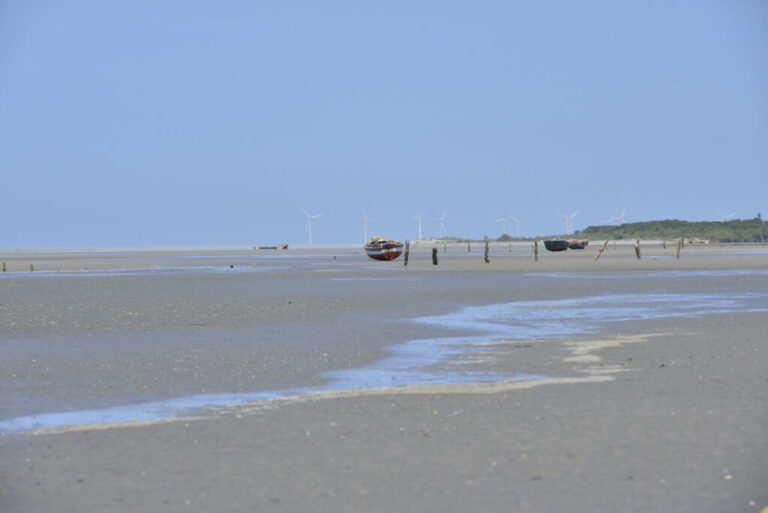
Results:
x,y
724,217
440,220
617,220
365,224
309,223
419,218
569,222
503,221
517,226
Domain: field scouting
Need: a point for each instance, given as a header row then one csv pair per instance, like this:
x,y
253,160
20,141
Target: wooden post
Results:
x,y
663,244
536,250
600,251
679,247
510,247
445,247
31,267
637,248
434,256
486,252
407,250
3,266
469,250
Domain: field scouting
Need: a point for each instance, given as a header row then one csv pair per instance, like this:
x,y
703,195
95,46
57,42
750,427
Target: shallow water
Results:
x,y
150,270
422,361
706,273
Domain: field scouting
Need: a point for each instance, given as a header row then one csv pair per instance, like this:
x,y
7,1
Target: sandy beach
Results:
x,y
315,379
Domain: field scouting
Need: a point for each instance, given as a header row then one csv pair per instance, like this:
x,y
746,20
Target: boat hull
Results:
x,y
384,253
577,244
556,245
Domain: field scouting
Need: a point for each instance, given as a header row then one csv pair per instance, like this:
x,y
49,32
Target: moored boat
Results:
x,y
380,248
556,245
279,246
577,243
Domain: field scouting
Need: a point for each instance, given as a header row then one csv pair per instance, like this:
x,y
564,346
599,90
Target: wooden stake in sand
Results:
x,y
434,256
637,248
679,247
31,267
485,257
536,250
3,266
600,251
407,250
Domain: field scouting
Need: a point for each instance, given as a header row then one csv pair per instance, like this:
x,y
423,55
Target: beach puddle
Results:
x,y
427,362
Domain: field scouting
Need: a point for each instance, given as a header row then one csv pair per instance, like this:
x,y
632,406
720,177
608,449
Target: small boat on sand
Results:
x,y
577,243
380,248
556,245
279,246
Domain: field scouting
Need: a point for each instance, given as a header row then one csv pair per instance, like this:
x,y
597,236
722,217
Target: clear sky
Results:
x,y
198,122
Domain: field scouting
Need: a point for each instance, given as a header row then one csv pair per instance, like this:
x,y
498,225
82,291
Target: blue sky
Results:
x,y
196,122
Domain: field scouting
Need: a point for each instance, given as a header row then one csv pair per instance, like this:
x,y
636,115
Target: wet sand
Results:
x,y
644,414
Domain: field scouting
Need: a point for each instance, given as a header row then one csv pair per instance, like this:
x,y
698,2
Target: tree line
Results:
x,y
736,230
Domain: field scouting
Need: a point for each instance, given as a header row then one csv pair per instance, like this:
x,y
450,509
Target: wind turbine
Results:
x,y
617,220
365,224
309,223
569,222
724,218
442,226
517,223
503,221
419,218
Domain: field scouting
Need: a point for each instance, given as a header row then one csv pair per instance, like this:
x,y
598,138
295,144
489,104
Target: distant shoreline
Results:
x,y
217,248
504,256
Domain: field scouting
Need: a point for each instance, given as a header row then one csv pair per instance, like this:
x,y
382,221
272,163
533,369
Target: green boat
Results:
x,y
556,245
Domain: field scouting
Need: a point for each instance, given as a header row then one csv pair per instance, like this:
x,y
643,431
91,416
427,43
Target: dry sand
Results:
x,y
667,414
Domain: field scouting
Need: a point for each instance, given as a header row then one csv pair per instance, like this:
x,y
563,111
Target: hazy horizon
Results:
x,y
320,245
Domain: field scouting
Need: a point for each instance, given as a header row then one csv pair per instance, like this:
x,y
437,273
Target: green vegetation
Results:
x,y
737,230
